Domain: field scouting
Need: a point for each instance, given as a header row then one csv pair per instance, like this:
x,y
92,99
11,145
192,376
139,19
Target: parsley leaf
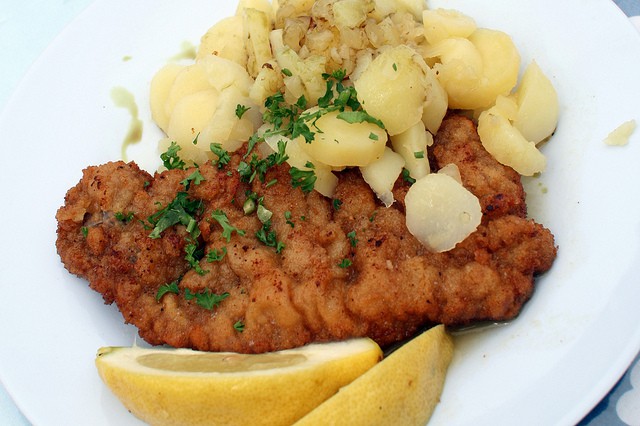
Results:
x,y
418,154
216,256
167,288
352,238
337,203
359,117
222,154
345,263
268,237
170,158
195,177
206,298
180,210
125,218
240,110
239,326
227,228
193,255
305,179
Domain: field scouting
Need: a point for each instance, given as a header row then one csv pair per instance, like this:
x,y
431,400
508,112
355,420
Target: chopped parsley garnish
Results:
x,y
257,167
418,154
125,218
170,158
337,203
193,255
167,288
305,179
268,237
206,298
359,117
221,153
195,177
216,256
287,72
287,216
227,228
406,175
345,263
239,326
373,136
180,210
85,231
240,110
294,120
352,238
395,67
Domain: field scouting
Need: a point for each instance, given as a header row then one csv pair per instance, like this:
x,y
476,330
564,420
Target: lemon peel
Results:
x,y
403,389
186,387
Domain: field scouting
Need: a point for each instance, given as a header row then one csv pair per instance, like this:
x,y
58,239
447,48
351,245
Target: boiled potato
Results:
x,y
222,73
393,88
191,79
440,212
436,104
451,170
440,24
459,70
501,63
256,25
224,127
338,143
326,181
507,145
191,114
412,146
537,114
161,85
382,174
225,39
508,106
476,70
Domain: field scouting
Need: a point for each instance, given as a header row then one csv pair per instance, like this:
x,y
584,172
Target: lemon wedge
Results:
x,y
403,389
186,387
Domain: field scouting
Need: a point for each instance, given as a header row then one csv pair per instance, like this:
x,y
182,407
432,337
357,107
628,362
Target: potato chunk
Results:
x,y
440,24
225,39
441,212
507,145
538,109
338,143
476,70
412,146
393,88
382,174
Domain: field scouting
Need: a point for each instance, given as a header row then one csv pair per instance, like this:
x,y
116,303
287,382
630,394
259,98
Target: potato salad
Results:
x,y
359,83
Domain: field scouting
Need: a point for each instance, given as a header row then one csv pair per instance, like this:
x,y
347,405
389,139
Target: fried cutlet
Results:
x,y
319,271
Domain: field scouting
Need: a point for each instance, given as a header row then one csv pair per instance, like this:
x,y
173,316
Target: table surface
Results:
x,y
26,29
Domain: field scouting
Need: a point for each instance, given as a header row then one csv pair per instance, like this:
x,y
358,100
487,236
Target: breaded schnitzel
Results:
x,y
317,270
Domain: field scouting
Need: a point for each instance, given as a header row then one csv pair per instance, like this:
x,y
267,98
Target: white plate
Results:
x,y
550,366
